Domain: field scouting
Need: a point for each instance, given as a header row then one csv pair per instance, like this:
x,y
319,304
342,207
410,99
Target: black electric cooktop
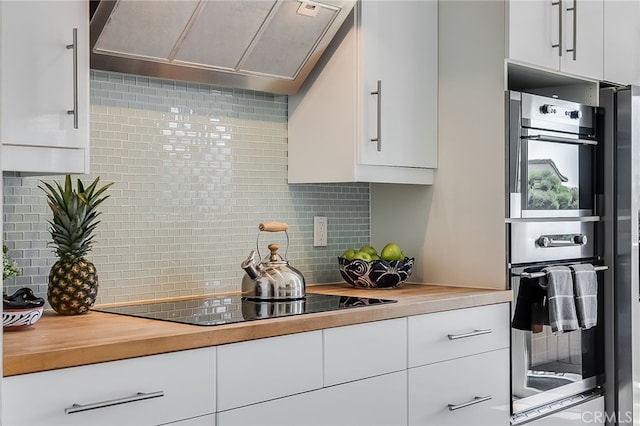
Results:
x,y
233,309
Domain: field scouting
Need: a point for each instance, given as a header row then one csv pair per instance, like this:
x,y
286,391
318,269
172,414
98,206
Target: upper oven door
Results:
x,y
551,170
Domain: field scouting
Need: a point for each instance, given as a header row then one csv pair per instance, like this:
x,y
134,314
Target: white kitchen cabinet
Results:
x,y
139,391
472,390
364,350
381,400
369,111
622,41
566,36
41,83
263,369
459,367
453,334
208,420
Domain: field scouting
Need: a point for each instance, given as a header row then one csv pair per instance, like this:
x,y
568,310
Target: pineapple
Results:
x,y
73,280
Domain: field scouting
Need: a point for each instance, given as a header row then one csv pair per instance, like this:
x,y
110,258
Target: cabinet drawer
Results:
x,y
378,401
453,334
186,381
258,370
208,420
364,350
472,390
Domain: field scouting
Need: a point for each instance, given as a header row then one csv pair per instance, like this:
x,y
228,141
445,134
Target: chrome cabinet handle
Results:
x,y
74,46
559,45
475,400
574,9
378,137
140,396
469,334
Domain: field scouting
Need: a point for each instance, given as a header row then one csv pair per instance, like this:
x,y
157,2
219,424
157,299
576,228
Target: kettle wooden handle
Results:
x,y
273,226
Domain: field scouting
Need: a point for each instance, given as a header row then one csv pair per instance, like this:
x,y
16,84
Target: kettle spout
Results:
x,y
250,267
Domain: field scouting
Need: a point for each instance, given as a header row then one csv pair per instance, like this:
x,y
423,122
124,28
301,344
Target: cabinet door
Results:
x,y
259,370
364,350
379,401
399,48
533,31
622,41
139,391
583,52
467,391
564,36
37,83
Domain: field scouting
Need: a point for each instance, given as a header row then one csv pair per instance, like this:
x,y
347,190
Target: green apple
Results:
x,y
363,255
391,252
349,254
368,249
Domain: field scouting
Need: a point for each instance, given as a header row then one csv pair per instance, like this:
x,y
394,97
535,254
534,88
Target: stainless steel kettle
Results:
x,y
273,278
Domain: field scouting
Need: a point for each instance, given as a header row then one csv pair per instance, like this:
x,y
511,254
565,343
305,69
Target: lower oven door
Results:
x,y
545,367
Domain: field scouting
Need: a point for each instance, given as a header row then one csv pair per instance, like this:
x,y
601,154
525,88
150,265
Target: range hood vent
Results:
x,y
265,45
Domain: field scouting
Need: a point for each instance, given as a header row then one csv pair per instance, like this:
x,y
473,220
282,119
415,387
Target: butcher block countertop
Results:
x,y
58,341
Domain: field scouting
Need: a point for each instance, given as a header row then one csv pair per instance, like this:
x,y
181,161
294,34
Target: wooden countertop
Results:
x,y
58,341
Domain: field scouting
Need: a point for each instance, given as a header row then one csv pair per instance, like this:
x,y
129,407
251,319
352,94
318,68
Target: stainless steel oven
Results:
x,y
552,146
553,192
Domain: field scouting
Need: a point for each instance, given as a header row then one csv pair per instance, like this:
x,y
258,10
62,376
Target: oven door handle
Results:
x,y
548,138
547,241
597,268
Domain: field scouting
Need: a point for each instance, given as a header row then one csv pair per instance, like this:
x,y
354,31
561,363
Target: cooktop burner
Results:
x,y
232,309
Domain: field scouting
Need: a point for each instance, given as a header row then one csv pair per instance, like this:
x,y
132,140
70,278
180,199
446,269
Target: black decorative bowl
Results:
x,y
21,309
375,273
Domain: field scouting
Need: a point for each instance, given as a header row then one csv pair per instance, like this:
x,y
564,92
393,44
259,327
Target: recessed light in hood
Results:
x,y
264,45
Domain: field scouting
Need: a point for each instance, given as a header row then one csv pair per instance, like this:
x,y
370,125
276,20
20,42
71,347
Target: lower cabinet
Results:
x,y
380,400
264,369
149,390
448,368
472,390
208,420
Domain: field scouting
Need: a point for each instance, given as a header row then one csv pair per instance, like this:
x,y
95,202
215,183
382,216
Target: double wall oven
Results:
x,y
553,194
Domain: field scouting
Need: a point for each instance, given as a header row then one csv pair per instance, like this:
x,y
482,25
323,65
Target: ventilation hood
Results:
x,y
264,45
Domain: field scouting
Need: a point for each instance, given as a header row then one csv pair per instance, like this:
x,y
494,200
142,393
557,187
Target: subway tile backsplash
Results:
x,y
196,168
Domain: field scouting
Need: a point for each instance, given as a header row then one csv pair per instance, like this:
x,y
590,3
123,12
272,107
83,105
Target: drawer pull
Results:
x,y
475,400
140,396
469,334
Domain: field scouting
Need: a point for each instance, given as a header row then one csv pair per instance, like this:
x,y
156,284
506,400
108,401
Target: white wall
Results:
x,y
455,228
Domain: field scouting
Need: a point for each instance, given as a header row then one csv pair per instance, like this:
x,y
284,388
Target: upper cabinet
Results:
x,y
44,86
564,35
622,41
594,39
368,112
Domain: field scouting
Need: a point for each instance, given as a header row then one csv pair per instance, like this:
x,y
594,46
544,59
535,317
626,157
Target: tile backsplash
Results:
x,y
196,168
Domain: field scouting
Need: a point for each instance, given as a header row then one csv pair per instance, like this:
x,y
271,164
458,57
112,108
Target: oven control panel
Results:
x,y
555,114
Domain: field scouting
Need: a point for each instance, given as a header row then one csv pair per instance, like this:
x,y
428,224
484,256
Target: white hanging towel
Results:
x,y
585,287
560,299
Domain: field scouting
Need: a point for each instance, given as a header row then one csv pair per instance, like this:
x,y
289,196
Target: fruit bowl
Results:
x,y
375,273
21,309
17,319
